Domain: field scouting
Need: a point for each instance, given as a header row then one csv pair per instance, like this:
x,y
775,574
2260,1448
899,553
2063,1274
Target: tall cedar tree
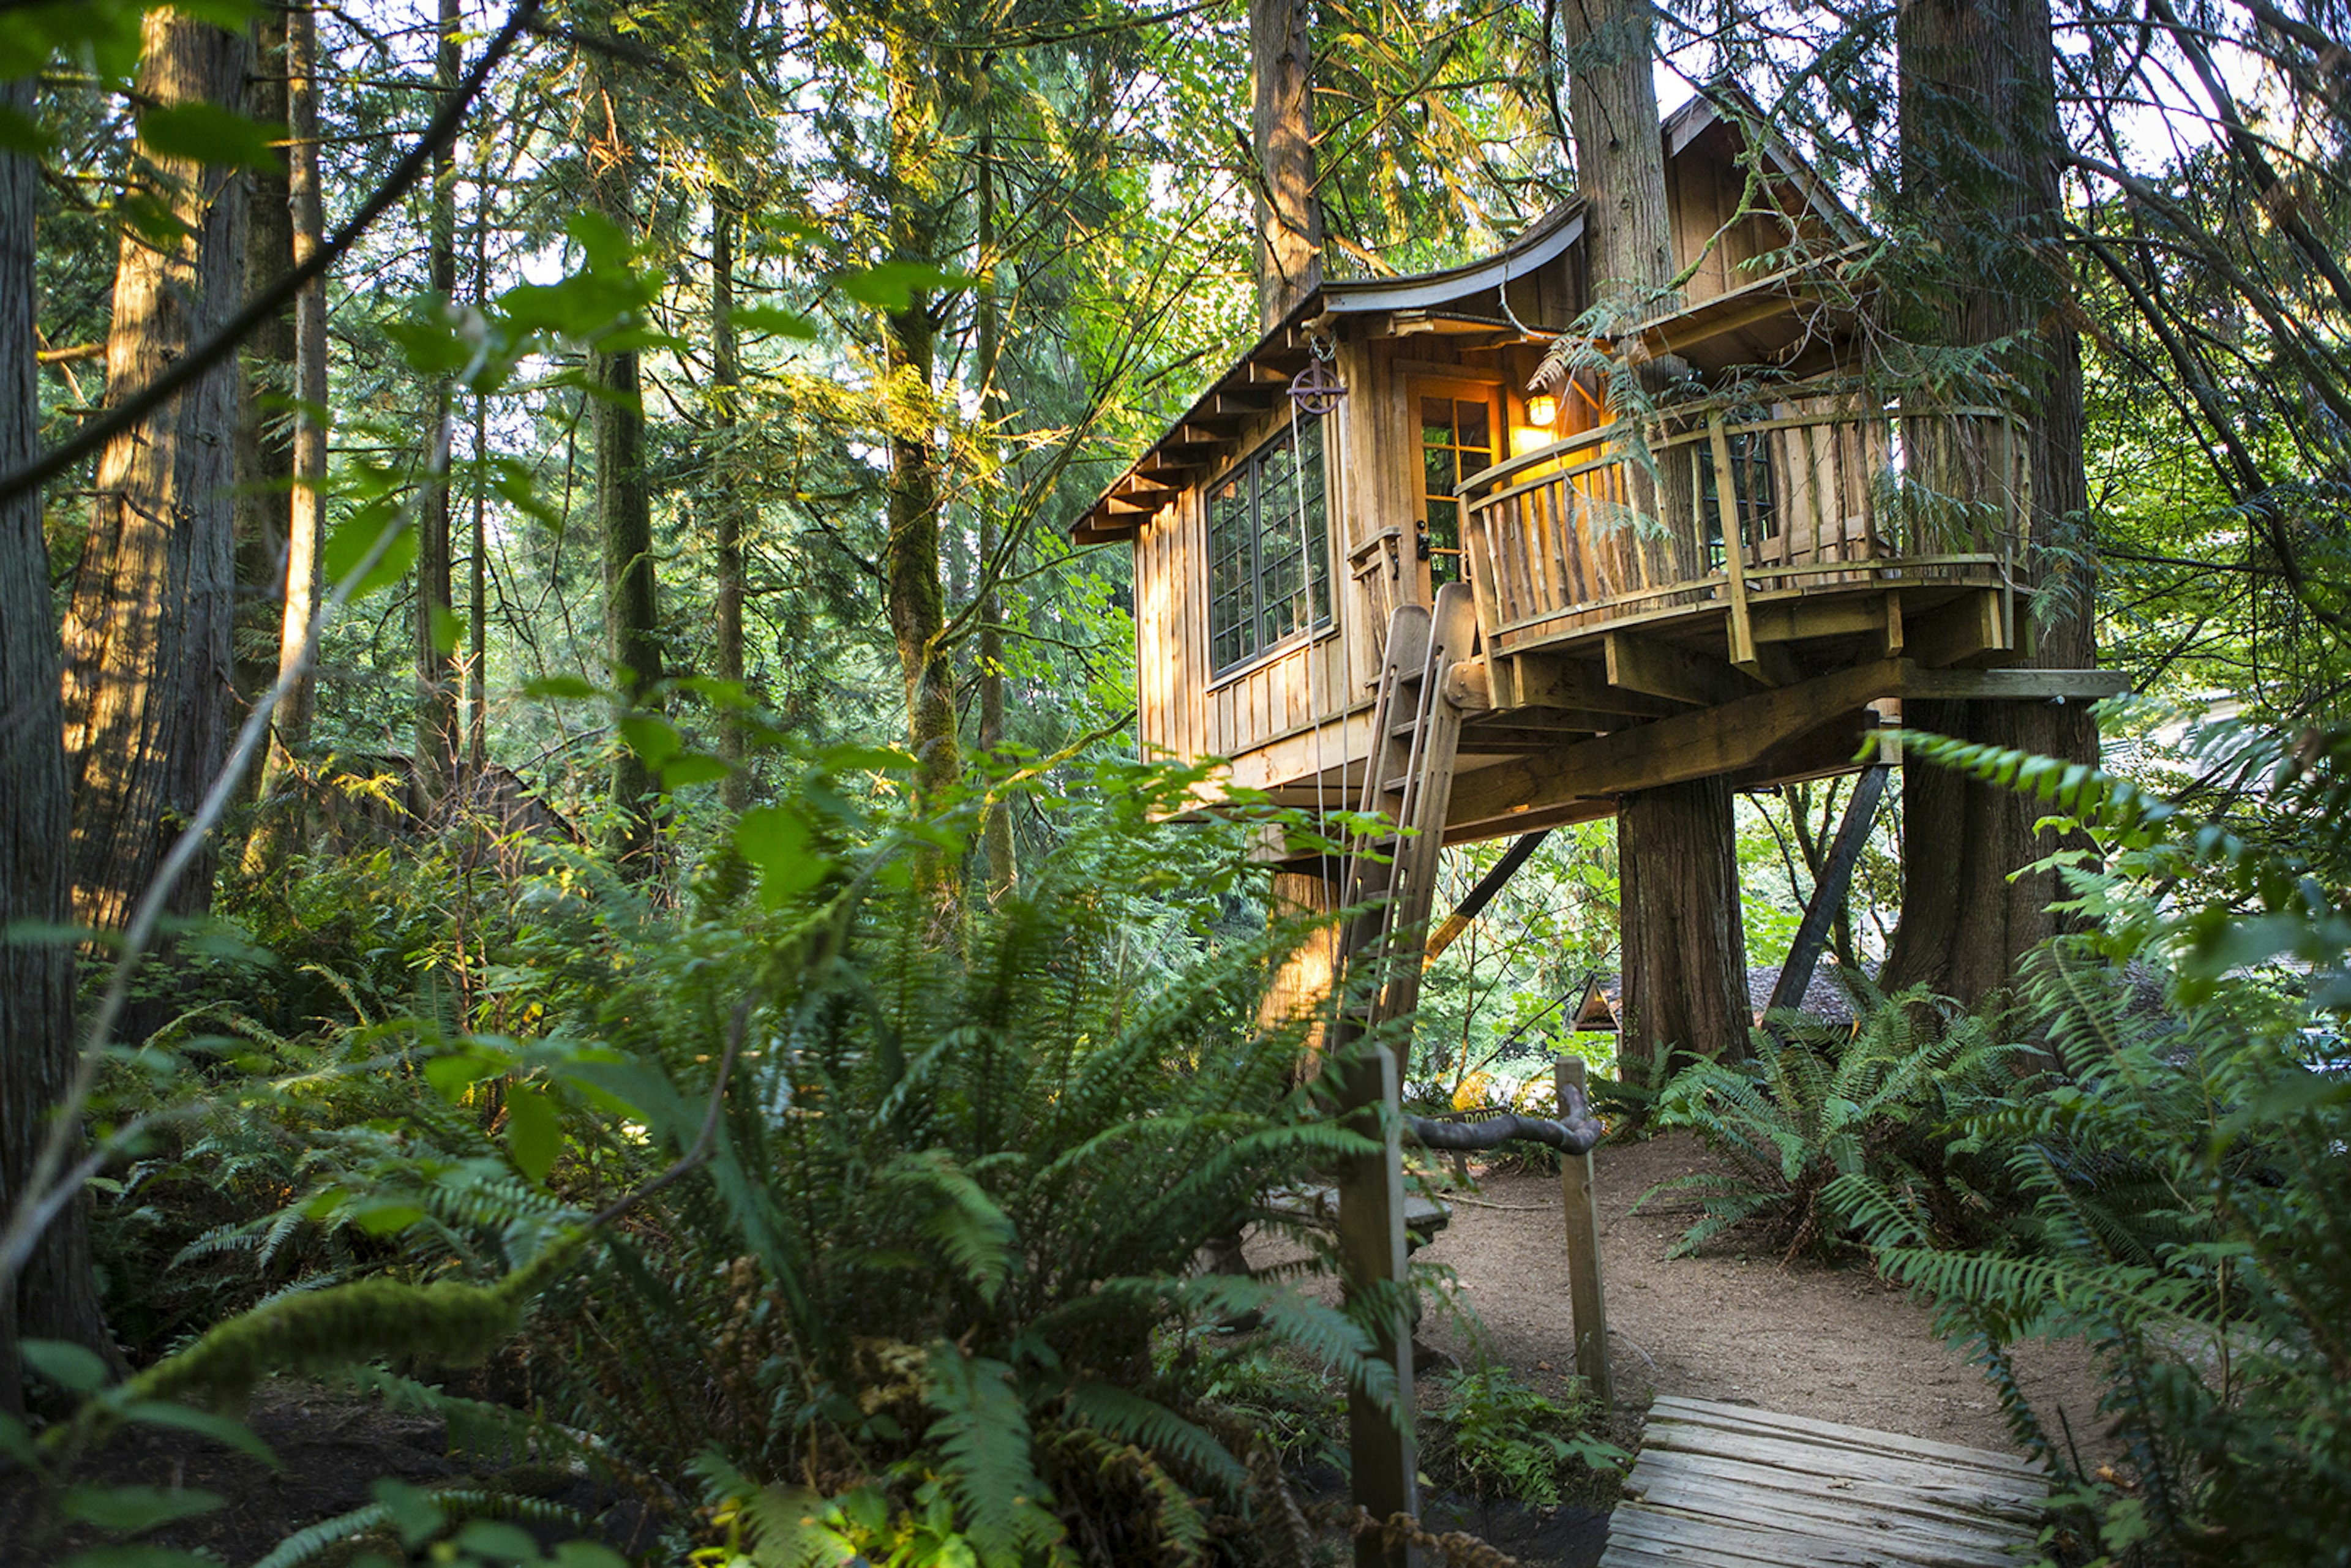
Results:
x,y
265,437
1683,949
1982,153
1289,209
307,456
623,509
917,232
53,1297
150,708
437,733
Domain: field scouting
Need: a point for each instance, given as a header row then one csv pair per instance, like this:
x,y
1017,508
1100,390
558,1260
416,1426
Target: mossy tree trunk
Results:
x,y
623,508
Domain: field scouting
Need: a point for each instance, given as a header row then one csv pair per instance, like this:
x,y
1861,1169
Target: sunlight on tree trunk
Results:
x,y
1288,207
290,724
149,707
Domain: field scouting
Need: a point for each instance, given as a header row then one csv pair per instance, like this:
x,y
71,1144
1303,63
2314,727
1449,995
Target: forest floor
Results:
x,y
1730,1324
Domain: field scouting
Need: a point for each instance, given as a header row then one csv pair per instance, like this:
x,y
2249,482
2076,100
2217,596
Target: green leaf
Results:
x,y
893,285
15,1441
692,768
777,839
349,544
207,134
534,1133
69,1366
130,1510
413,1512
20,132
446,630
496,1539
384,1217
771,319
221,1428
562,687
453,1074
600,238
655,739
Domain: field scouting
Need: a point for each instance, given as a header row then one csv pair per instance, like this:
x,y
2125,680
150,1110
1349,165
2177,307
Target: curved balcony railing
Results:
x,y
1720,507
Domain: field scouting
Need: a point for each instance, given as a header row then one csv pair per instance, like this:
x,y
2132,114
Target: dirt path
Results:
x,y
1829,1343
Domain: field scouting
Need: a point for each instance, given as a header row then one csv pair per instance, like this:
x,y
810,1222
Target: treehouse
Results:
x,y
1740,578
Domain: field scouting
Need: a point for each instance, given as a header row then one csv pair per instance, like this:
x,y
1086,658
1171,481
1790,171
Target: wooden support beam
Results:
x,y
1547,680
1234,406
1970,627
1829,893
1674,750
1662,670
1795,619
2016,686
1587,1301
1482,894
1261,374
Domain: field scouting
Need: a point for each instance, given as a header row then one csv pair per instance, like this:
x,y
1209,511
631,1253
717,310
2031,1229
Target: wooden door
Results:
x,y
1458,428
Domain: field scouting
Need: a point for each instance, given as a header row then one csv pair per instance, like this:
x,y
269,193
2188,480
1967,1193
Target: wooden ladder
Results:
x,y
1390,879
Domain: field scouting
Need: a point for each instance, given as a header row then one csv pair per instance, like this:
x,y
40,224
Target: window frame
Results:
x,y
1250,468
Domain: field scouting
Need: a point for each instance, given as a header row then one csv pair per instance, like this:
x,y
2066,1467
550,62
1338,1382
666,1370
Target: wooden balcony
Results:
x,y
1828,514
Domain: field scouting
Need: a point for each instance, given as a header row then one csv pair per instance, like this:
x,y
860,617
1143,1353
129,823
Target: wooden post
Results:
x,y
1585,1299
1828,892
1734,553
1382,1448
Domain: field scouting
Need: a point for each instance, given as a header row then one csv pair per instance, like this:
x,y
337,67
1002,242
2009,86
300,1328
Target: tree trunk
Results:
x,y
437,733
996,820
624,515
1289,209
910,338
1685,963
264,438
53,1298
1685,957
290,724
150,701
1980,144
726,378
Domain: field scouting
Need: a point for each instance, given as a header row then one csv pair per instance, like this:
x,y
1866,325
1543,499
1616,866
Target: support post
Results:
x,y
1470,908
1383,1450
1828,892
1585,1301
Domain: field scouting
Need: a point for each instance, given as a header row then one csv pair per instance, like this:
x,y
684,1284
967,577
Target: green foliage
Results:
x,y
1493,1436
2183,1199
1820,1117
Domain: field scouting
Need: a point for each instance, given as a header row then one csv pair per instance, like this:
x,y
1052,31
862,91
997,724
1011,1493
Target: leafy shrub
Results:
x,y
1491,1436
2187,1197
1821,1117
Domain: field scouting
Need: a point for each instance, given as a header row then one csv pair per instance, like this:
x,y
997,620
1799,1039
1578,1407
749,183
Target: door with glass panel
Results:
x,y
1457,437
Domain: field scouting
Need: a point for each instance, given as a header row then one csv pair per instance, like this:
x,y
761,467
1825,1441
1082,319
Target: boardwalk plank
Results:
x,y
1731,1485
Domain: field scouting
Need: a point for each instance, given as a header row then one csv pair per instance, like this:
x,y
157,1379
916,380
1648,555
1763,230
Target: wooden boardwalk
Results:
x,y
1727,1484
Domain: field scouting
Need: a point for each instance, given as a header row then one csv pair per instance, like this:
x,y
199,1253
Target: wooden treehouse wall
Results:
x,y
1266,714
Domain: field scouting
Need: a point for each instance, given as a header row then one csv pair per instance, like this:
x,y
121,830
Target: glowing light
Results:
x,y
1542,409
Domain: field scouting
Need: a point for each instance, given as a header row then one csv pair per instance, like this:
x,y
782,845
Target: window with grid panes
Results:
x,y
1269,550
